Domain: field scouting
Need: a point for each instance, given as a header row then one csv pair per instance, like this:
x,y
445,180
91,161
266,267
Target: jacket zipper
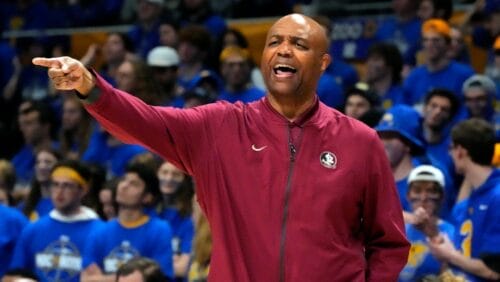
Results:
x,y
293,151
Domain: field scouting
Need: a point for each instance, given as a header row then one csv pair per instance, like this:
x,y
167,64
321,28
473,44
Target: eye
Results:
x,y
273,43
300,45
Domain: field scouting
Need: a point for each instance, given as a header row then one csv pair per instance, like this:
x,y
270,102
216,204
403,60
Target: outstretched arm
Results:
x,y
445,251
67,73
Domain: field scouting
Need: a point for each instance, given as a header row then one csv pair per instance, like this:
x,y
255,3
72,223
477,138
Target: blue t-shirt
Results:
x,y
477,221
246,96
42,208
420,81
345,74
113,158
12,223
393,96
420,261
182,230
113,244
53,248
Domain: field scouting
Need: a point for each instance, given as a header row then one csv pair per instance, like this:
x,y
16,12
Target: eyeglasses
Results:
x,y
63,185
478,99
426,200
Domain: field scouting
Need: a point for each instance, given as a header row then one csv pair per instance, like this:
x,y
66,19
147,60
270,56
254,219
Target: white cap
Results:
x,y
163,56
426,173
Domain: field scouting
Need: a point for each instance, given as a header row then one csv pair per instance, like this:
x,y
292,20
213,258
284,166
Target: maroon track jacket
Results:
x,y
310,200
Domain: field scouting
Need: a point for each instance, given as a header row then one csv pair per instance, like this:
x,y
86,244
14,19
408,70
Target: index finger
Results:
x,y
47,62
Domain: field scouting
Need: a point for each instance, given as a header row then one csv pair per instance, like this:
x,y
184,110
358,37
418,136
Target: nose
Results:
x,y
285,49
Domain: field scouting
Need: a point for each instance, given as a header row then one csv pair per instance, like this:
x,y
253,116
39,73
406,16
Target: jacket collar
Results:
x,y
301,120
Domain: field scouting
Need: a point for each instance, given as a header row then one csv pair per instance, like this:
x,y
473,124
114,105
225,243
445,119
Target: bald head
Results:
x,y
317,32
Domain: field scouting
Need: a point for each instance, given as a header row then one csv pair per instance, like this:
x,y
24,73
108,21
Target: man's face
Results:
x,y
130,190
189,53
395,148
31,128
376,68
168,35
437,112
425,194
65,194
456,155
294,57
114,49
476,101
72,114
425,10
356,106
165,76
236,71
434,46
147,11
125,77
170,178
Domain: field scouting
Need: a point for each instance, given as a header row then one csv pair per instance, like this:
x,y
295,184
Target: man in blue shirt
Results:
x,y
477,218
438,70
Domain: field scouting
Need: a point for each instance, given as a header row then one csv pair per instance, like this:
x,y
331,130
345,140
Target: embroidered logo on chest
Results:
x,y
328,160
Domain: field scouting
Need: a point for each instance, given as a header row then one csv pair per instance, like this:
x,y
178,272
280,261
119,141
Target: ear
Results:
x,y
147,198
461,151
326,59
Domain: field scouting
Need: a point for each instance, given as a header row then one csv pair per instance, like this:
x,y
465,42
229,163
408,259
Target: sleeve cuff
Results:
x,y
93,95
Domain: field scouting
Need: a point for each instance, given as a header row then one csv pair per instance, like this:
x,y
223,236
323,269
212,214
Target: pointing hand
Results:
x,y
67,73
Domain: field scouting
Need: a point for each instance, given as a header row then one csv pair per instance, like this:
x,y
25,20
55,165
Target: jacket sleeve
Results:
x,y
386,246
166,131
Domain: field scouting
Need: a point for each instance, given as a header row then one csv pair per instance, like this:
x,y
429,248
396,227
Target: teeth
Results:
x,y
283,66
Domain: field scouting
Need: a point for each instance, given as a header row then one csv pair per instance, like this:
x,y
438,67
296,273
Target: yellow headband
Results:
x,y
234,51
64,171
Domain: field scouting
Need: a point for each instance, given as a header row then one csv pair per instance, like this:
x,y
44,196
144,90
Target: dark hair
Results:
x,y
96,182
167,20
240,37
368,95
149,269
21,273
196,35
148,175
45,113
128,44
443,9
441,92
35,192
391,56
477,136
184,196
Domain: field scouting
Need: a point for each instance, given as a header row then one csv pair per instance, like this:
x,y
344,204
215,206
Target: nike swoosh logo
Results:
x,y
256,149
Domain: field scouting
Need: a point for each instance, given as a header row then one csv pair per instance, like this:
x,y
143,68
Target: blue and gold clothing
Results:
x,y
114,244
52,247
478,221
420,261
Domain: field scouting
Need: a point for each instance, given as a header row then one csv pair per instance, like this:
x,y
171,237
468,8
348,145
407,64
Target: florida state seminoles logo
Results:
x,y
328,160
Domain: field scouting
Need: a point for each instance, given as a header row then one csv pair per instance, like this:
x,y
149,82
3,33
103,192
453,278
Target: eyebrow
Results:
x,y
292,37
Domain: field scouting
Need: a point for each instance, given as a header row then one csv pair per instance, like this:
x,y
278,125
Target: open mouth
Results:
x,y
284,70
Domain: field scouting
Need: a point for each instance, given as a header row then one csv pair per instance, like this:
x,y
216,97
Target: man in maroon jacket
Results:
x,y
293,190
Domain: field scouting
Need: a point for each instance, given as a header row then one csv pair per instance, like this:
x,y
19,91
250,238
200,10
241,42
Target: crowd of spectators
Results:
x,y
76,202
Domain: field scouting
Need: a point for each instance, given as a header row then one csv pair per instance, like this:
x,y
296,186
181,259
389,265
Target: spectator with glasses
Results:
x,y
52,246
